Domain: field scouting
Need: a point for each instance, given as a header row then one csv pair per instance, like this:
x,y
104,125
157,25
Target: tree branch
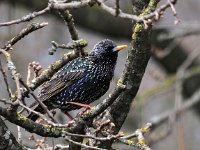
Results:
x,y
7,139
55,5
27,17
138,56
30,28
158,120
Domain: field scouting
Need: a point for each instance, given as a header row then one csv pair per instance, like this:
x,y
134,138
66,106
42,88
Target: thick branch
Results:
x,y
138,57
29,125
70,23
7,139
56,131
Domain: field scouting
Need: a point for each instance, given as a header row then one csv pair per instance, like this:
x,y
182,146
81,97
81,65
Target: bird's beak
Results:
x,y
119,48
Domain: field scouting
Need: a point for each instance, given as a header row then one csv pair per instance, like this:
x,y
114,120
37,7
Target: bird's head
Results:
x,y
106,49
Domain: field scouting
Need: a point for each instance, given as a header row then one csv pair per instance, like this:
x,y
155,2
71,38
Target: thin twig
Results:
x,y
30,28
44,107
106,102
117,8
5,80
179,96
33,111
19,134
6,101
134,144
27,17
74,45
28,75
37,113
14,73
177,20
12,67
69,21
159,119
82,145
92,137
61,6
139,134
143,130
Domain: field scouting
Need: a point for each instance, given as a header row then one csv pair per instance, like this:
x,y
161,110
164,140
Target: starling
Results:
x,y
81,81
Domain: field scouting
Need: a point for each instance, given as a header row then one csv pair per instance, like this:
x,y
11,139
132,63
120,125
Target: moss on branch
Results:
x,y
29,125
137,59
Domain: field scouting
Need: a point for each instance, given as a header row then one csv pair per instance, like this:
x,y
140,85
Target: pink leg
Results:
x,y
68,115
71,119
87,107
80,104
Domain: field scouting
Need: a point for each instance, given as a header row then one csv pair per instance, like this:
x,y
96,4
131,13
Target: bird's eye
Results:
x,y
110,47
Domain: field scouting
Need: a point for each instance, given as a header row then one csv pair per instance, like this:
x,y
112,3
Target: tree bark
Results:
x,y
138,57
7,140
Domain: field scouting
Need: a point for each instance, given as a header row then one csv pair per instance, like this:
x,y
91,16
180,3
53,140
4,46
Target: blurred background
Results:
x,y
172,45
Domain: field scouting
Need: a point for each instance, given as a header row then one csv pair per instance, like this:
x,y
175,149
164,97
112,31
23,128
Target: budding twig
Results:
x,y
30,28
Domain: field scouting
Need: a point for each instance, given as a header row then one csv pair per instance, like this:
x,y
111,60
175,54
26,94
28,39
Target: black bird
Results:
x,y
81,81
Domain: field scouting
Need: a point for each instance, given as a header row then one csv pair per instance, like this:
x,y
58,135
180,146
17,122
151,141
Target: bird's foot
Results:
x,y
69,124
86,109
71,119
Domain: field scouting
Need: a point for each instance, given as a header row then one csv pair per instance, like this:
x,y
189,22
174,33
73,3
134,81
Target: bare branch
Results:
x,y
14,73
157,120
30,28
78,44
177,20
117,11
27,17
19,134
61,6
5,80
7,139
82,145
106,103
69,21
17,79
6,101
44,107
139,134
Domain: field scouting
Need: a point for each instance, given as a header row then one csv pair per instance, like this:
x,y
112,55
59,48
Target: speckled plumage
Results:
x,y
82,80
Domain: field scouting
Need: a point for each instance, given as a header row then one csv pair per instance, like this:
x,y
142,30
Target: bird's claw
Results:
x,y
86,109
69,124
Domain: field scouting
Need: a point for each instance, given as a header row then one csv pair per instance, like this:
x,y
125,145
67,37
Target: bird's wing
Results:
x,y
69,74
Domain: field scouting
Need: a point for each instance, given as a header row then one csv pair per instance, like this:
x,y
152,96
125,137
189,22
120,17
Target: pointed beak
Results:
x,y
119,48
